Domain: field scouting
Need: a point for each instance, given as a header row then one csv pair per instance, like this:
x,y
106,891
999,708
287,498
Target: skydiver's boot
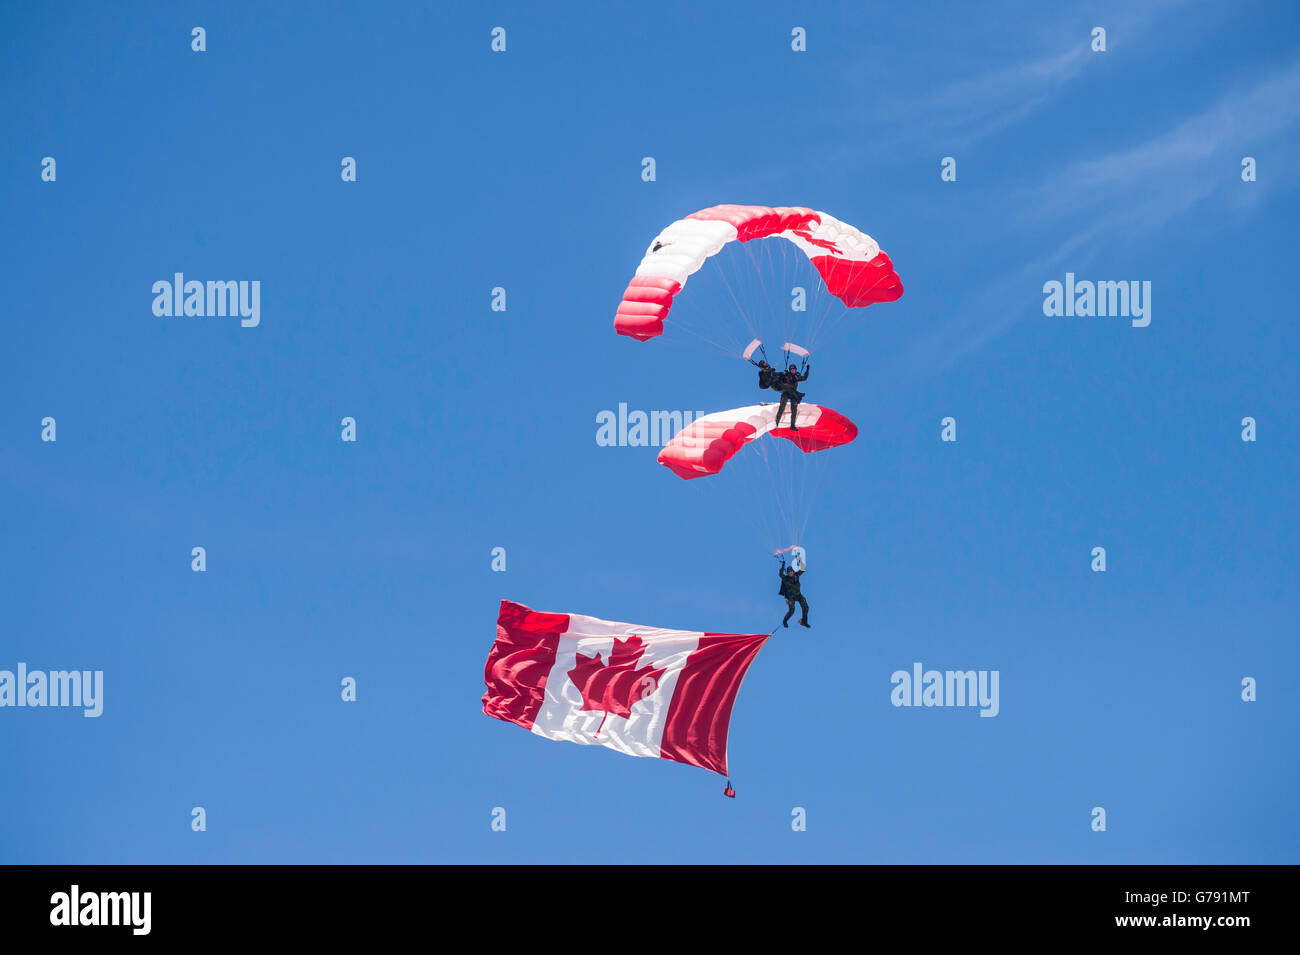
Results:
x,y
805,623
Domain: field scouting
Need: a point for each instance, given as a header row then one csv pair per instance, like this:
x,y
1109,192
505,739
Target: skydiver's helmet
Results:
x,y
794,368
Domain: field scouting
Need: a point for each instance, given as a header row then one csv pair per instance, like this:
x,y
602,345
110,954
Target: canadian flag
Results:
x,y
644,691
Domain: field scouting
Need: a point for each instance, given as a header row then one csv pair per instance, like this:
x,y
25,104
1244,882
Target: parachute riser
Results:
x,y
799,557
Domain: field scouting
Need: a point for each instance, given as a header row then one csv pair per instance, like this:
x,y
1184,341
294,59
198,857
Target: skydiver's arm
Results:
x,y
804,376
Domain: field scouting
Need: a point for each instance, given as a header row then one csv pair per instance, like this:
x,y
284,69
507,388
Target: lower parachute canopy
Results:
x,y
705,445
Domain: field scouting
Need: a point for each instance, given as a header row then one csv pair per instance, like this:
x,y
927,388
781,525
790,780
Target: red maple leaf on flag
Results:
x,y
613,687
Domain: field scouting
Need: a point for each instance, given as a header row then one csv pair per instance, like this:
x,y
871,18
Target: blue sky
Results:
x,y
477,428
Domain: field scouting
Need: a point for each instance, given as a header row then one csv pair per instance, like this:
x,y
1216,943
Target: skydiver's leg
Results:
x,y
789,612
794,414
781,410
804,604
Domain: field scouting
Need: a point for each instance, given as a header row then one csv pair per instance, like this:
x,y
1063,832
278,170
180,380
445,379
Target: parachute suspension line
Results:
x,y
841,328
757,267
726,264
702,340
749,490
796,478
683,319
820,305
794,482
835,321
810,489
800,271
777,461
805,491
825,310
775,254
771,251
782,503
780,491
777,465
743,272
780,464
734,278
793,263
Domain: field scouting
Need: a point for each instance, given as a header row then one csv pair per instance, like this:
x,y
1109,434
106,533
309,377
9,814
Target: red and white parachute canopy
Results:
x,y
854,268
706,444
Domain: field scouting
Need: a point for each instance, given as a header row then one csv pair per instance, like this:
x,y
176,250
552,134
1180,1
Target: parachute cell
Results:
x,y
705,445
850,262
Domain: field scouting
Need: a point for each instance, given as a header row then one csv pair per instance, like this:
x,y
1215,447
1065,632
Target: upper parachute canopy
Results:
x,y
854,268
706,444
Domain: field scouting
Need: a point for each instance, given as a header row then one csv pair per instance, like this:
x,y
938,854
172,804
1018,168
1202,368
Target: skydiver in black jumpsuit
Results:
x,y
790,591
787,382
766,375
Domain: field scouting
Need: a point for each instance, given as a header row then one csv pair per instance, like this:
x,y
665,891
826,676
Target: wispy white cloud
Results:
x,y
973,108
1125,196
1150,183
